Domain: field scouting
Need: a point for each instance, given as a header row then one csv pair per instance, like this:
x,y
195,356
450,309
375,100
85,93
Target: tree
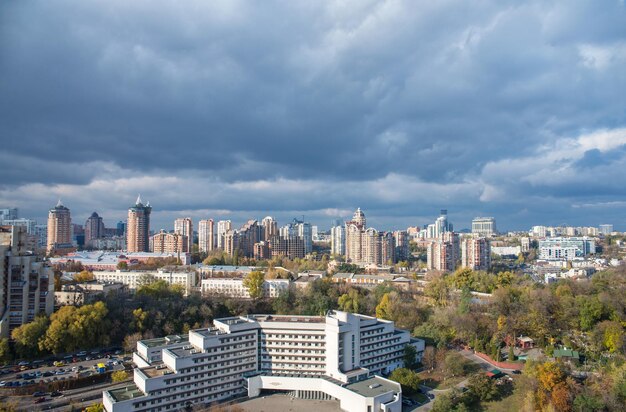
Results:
x,y
409,380
5,351
27,336
549,374
84,276
96,407
122,265
588,403
130,341
119,376
454,364
429,358
254,283
560,398
410,354
384,308
350,302
482,387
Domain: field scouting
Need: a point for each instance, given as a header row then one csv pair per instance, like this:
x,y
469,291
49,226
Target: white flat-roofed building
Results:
x,y
134,279
566,248
234,287
336,356
484,226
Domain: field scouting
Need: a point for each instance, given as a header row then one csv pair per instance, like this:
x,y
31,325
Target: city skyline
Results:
x,y
400,108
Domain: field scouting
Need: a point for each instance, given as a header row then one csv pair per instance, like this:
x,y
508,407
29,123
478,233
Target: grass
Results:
x,y
436,380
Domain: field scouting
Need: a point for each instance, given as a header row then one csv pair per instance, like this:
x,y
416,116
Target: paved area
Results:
x,y
284,403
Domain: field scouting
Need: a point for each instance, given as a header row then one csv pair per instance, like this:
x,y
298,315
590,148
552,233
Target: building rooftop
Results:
x,y
168,340
374,386
125,393
294,319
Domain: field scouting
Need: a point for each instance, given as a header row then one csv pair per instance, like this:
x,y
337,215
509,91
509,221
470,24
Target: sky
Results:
x,y
232,109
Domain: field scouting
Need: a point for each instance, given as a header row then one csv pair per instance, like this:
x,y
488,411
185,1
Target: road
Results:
x,y
484,365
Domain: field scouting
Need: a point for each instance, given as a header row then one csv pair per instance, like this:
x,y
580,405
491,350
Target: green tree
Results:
x,y
350,302
27,337
454,364
590,313
482,387
254,283
410,355
96,407
122,265
408,379
588,403
5,351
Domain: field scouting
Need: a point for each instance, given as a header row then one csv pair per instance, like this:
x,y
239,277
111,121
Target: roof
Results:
x,y
373,387
566,353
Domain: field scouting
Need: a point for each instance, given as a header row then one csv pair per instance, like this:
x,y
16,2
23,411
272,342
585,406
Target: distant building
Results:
x,y
164,242
223,226
270,228
441,225
262,250
84,293
206,235
234,287
338,240
302,229
525,244
94,228
506,250
475,253
27,283
8,214
401,241
566,248
138,227
484,226
367,246
290,246
440,256
184,227
134,279
59,230
605,229
121,228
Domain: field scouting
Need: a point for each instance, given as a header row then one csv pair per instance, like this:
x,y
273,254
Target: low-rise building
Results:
x,y
134,279
235,288
337,356
84,293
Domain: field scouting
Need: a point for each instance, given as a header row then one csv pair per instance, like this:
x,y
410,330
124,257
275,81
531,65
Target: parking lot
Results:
x,y
39,381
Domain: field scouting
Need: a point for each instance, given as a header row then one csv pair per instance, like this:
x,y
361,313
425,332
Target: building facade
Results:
x,y
134,279
338,240
59,230
475,253
223,226
184,227
94,229
337,356
164,242
27,283
484,226
138,227
206,235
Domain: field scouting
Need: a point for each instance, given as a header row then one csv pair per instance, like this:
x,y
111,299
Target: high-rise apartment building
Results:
x,y
94,228
441,225
291,246
59,230
138,227
401,242
302,229
270,228
8,214
223,226
164,242
605,229
184,227
206,235
367,246
338,240
27,283
440,256
484,226
120,228
475,253
338,356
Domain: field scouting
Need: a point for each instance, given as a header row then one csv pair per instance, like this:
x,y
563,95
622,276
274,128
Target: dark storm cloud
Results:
x,y
299,106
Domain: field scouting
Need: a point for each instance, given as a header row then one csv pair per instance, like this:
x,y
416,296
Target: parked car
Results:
x,y
40,400
38,394
56,393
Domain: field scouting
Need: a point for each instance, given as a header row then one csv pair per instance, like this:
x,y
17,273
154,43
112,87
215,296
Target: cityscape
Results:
x,y
344,205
